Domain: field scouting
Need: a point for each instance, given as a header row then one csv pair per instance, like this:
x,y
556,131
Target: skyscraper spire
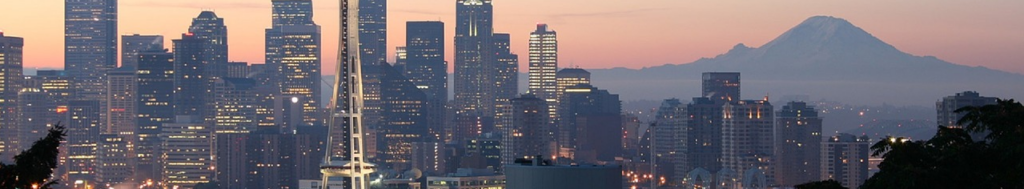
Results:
x,y
344,164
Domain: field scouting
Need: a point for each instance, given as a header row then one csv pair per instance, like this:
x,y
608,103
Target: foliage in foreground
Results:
x,y
953,158
34,166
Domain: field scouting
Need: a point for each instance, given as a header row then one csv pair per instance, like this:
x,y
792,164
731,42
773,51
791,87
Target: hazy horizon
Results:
x,y
986,34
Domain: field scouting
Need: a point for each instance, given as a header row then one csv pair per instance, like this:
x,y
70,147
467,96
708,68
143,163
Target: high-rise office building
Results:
x,y
191,76
90,45
11,80
42,103
122,88
404,119
78,163
797,144
569,77
186,158
506,80
721,86
210,29
293,48
670,145
543,63
345,162
235,105
424,64
591,124
530,133
474,65
947,106
483,152
401,55
845,159
132,45
373,31
113,161
155,107
747,143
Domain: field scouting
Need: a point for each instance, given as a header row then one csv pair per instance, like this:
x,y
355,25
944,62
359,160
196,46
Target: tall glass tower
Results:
x,y
543,63
474,68
344,164
293,50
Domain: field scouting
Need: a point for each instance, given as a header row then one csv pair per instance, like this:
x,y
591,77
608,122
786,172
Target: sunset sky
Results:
x,y
592,33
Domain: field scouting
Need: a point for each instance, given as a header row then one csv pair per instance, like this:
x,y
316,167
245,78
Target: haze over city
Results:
x,y
596,34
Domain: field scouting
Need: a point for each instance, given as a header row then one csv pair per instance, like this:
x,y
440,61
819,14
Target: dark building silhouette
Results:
x,y
209,28
797,144
425,66
192,82
155,108
475,69
721,86
591,124
530,134
845,159
404,113
947,106
670,145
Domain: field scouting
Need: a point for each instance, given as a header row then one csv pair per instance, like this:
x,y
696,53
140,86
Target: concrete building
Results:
x,y
947,106
539,174
670,145
797,144
747,144
844,158
404,119
122,88
114,162
235,105
78,163
590,125
154,108
721,86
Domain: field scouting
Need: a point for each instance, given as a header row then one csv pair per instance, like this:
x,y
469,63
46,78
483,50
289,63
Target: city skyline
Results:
x,y
983,36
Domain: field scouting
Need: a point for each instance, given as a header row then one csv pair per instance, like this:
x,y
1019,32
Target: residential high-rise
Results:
x,y
797,144
704,134
187,156
544,63
947,106
404,119
293,50
425,66
132,45
670,145
530,133
747,143
344,162
721,86
845,159
11,80
155,107
90,45
591,124
373,31
78,163
191,76
113,160
474,65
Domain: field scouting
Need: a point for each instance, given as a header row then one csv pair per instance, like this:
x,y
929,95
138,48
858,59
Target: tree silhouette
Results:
x,y
953,158
826,184
33,167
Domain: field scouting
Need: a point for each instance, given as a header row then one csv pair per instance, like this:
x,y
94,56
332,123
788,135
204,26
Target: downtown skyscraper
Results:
x,y
132,45
10,85
425,66
797,144
155,107
90,47
293,50
475,70
543,63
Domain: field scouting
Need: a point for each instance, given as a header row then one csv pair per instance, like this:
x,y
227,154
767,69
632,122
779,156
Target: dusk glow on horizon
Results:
x,y
592,34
